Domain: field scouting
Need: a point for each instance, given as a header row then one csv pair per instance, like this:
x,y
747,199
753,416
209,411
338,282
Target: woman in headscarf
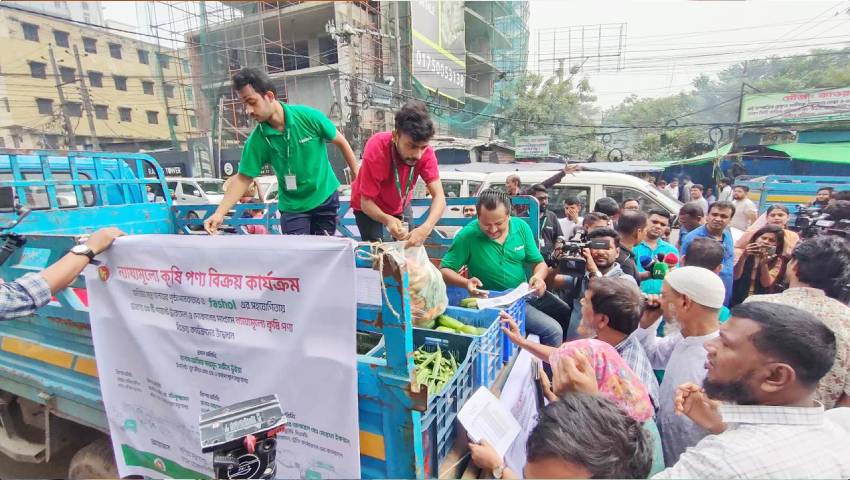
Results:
x,y
775,215
758,269
594,367
615,380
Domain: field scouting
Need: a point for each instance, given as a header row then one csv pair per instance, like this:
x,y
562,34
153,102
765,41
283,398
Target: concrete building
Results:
x,y
88,12
138,96
359,61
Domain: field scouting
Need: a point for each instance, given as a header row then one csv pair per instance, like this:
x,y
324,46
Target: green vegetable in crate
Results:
x,y
433,369
447,321
472,330
470,302
445,329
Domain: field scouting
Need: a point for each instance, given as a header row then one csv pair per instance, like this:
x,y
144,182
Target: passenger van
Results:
x,y
590,187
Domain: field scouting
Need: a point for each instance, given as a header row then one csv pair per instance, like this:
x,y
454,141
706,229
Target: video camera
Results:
x,y
814,220
567,255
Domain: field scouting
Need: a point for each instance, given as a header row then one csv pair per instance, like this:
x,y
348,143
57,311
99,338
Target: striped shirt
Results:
x,y
771,442
634,355
23,296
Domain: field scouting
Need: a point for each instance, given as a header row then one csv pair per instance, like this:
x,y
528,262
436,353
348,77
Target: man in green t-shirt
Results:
x,y
291,138
496,249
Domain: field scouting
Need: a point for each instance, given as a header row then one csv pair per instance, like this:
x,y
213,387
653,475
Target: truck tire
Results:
x,y
95,460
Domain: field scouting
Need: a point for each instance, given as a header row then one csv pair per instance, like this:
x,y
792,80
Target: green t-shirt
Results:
x,y
298,150
499,267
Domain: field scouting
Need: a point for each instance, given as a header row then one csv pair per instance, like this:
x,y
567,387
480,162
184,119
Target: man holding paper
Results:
x,y
496,248
569,438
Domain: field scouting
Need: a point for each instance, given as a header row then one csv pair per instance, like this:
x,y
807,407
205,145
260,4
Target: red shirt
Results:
x,y
376,179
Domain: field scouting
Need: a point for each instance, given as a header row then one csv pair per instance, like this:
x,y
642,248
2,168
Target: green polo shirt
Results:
x,y
499,267
298,150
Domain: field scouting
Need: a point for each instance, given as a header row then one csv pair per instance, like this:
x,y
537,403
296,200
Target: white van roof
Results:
x,y
455,175
584,177
192,179
588,178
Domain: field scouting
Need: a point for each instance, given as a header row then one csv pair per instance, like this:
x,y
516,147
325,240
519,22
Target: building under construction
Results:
x,y
356,61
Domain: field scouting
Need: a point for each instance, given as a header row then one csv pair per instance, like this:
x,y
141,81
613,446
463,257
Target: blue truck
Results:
x,y
49,389
788,190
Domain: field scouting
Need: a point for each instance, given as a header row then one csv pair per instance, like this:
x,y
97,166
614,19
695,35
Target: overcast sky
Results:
x,y
666,43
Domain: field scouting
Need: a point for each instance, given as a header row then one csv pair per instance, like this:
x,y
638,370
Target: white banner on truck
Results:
x,y
187,324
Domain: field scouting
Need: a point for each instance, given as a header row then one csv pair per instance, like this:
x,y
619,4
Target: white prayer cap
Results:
x,y
701,285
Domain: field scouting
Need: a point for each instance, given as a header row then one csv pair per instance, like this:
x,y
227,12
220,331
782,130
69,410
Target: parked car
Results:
x,y
590,187
196,191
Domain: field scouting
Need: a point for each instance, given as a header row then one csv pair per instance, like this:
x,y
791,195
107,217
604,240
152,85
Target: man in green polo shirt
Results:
x,y
496,248
291,138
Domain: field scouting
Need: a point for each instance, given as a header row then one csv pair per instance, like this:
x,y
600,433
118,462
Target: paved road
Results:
x,y
56,468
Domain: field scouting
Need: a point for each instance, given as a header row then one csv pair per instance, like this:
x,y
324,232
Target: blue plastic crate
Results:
x,y
488,346
516,310
438,420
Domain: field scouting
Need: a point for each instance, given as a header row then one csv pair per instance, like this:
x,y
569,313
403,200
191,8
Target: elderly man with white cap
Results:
x,y
691,298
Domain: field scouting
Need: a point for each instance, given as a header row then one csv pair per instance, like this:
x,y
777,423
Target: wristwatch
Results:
x,y
84,250
597,274
498,471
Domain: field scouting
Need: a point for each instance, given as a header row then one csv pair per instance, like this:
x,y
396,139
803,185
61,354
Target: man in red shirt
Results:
x,y
392,161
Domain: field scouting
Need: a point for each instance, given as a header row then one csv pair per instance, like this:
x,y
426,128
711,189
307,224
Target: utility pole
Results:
x,y
86,100
69,132
740,108
397,26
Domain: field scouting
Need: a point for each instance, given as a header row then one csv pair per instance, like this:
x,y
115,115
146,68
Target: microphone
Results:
x,y
662,267
645,262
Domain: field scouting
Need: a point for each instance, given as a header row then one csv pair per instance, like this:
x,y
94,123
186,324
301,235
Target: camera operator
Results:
x,y
599,258
822,197
632,230
832,220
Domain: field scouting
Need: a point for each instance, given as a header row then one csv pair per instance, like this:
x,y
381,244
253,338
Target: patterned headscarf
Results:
x,y
617,381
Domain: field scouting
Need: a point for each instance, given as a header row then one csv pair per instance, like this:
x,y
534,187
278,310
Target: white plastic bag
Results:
x,y
427,290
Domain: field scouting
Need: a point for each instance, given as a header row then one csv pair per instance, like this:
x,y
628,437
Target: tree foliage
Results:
x,y
716,99
549,101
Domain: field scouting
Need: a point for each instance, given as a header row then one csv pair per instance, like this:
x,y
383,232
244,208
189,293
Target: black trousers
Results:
x,y
371,230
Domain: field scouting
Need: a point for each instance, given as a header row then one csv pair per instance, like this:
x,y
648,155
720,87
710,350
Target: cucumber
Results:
x,y
447,321
445,329
469,329
470,302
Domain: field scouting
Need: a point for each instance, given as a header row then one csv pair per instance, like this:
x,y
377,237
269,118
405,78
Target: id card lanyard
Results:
x,y
398,183
290,182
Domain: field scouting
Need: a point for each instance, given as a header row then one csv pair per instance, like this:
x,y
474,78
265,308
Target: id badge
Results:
x,y
289,182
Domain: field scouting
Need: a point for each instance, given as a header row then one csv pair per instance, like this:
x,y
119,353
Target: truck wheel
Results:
x,y
95,460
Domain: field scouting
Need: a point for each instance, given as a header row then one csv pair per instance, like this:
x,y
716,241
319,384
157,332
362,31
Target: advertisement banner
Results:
x,y
796,107
532,147
439,46
184,324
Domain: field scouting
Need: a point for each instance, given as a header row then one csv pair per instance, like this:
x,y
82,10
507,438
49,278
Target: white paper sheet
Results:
x,y
506,299
485,418
368,284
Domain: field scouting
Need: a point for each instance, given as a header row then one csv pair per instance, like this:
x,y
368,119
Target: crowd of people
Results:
x,y
688,356
694,357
